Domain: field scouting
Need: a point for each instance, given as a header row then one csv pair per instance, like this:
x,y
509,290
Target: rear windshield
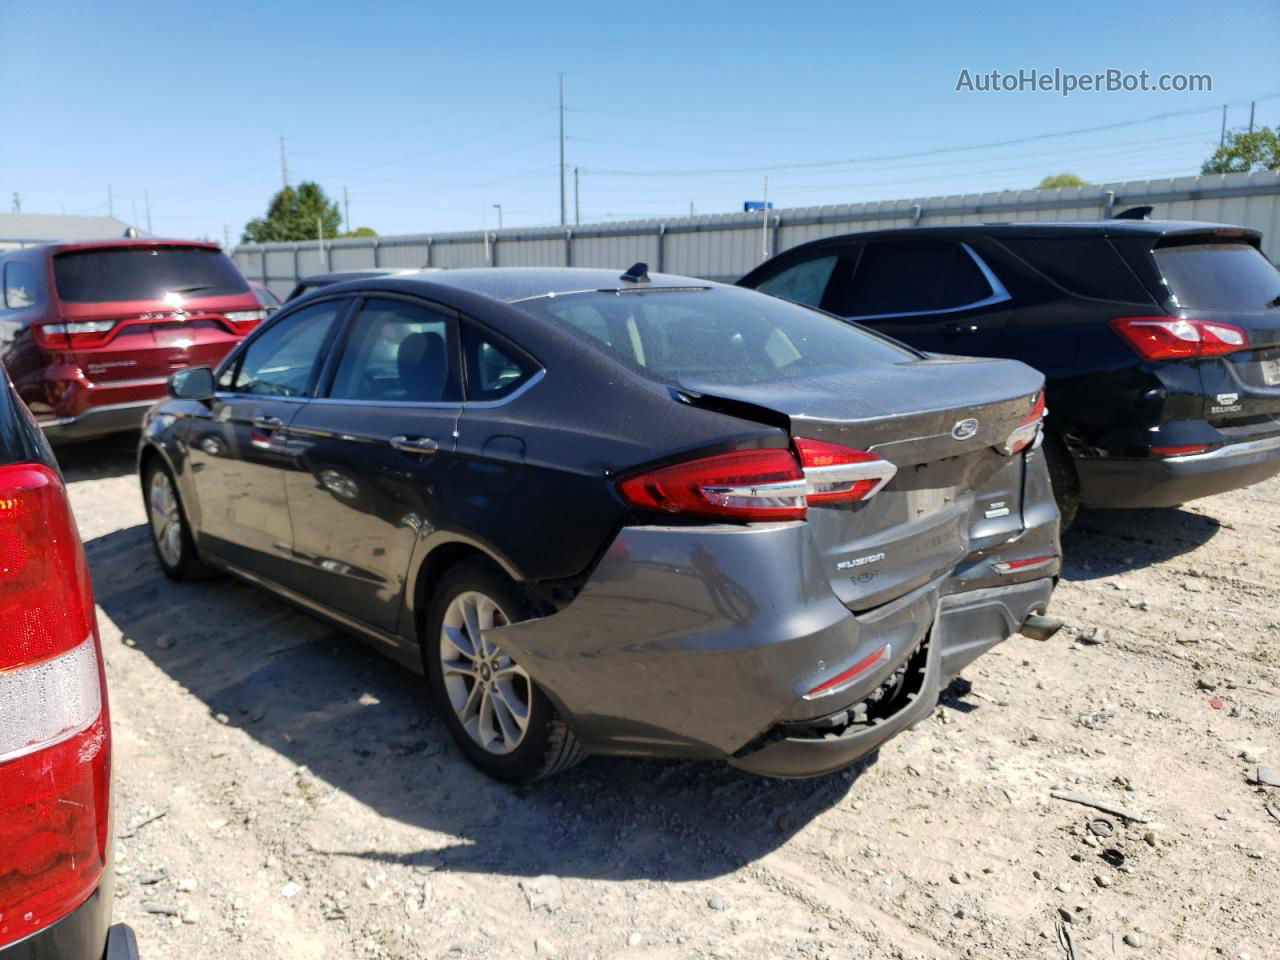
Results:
x,y
1219,276
145,273
716,335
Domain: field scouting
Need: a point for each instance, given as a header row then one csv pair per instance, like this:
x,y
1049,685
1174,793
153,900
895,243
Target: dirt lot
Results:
x,y
284,792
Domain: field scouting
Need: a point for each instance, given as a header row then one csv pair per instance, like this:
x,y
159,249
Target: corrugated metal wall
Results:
x,y
723,247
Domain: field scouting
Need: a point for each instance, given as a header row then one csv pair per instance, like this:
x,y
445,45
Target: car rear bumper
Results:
x,y
703,642
97,421
972,622
1170,481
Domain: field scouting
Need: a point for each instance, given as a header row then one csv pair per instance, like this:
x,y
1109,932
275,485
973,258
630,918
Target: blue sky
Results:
x,y
430,113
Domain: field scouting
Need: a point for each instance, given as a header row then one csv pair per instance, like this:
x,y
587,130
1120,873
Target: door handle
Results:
x,y
415,444
960,329
267,423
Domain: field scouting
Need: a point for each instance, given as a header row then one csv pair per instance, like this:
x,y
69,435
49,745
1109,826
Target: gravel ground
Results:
x,y
284,792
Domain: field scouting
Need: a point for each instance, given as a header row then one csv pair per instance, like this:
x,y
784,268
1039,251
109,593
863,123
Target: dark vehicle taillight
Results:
x,y
834,473
54,729
1170,338
1024,434
748,485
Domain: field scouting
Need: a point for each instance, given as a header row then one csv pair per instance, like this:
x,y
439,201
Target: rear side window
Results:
x,y
494,369
1084,266
914,276
282,360
116,275
803,282
1218,276
717,335
397,352
19,285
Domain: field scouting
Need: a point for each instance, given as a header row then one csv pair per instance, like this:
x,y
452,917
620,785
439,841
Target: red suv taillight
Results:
x,y
760,484
54,730
79,333
242,321
1169,338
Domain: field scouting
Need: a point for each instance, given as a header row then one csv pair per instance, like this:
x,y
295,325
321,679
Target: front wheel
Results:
x,y
494,710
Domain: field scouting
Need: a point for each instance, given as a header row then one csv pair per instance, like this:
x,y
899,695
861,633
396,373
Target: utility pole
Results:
x,y
111,202
17,202
1222,140
226,237
146,199
691,208
564,212
577,210
346,207
284,165
498,207
1253,104
484,229
764,229
320,242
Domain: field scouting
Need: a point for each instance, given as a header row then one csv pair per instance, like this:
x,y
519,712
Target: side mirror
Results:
x,y
193,383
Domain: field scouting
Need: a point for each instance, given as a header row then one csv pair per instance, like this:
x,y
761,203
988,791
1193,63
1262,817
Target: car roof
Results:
x,y
512,284
338,276
1058,228
114,242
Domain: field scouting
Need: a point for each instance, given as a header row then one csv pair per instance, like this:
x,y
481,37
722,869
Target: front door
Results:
x,y
240,448
374,456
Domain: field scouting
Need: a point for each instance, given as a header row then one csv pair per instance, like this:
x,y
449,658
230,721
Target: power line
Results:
x,y
937,151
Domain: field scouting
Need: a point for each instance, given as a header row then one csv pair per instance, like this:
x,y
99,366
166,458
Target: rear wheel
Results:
x,y
170,534
1062,475
494,710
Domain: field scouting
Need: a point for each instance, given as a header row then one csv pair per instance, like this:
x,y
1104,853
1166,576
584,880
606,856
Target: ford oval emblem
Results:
x,y
964,429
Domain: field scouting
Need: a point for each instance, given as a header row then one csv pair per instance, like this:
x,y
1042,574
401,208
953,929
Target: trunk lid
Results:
x,y
939,421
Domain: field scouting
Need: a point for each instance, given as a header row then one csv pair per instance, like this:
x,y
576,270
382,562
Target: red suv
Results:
x,y
90,331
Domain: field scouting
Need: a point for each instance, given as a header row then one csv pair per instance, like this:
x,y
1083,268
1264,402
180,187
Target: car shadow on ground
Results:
x,y
112,456
361,724
1102,543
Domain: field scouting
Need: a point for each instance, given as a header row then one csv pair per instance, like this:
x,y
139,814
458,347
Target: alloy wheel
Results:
x,y
166,519
490,694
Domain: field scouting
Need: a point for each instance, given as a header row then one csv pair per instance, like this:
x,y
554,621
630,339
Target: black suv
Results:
x,y
1159,340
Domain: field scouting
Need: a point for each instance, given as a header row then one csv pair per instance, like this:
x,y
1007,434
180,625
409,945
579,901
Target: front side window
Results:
x,y
19,285
803,282
914,276
283,359
398,352
121,274
724,335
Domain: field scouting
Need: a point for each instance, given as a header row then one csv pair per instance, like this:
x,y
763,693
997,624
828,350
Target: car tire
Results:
x,y
167,521
1062,475
487,725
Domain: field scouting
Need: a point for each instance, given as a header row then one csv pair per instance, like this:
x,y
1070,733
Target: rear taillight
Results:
x,y
54,740
1026,563
1024,434
245,320
77,333
838,474
748,485
1170,338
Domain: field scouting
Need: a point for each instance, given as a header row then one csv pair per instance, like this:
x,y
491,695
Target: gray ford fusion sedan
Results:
x,y
629,514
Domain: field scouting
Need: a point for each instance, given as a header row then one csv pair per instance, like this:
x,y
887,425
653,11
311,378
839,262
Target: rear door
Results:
x,y
239,446
935,294
373,457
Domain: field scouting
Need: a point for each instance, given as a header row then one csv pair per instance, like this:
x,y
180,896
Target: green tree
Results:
x,y
361,232
1244,151
293,215
1062,180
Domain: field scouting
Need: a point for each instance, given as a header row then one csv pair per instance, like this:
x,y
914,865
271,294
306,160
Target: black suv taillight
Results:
x,y
54,729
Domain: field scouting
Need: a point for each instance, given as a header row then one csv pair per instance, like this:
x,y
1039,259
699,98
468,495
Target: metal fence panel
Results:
x,y
727,245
